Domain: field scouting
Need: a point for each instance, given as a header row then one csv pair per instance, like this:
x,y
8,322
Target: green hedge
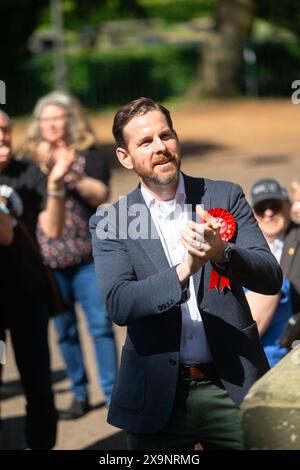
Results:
x,y
102,80
178,10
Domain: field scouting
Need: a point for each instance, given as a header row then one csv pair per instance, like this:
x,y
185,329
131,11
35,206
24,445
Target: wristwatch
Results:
x,y
228,248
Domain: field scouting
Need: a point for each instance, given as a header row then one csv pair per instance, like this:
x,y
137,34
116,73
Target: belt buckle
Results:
x,y
190,373
196,372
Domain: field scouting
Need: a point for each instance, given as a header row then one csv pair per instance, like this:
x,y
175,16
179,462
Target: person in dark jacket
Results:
x,y
29,199
192,348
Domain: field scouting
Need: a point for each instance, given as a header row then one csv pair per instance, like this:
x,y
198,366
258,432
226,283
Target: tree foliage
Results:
x,y
19,18
90,12
281,13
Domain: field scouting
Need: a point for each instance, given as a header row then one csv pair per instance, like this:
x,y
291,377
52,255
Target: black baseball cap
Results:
x,y
268,189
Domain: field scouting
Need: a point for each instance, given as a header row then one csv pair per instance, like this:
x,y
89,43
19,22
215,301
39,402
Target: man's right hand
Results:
x,y
203,243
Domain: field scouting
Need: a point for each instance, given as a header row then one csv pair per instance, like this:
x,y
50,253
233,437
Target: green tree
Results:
x,y
19,18
91,12
282,13
221,63
222,57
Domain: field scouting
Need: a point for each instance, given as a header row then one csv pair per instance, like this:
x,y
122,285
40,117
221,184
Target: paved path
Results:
x,y
241,142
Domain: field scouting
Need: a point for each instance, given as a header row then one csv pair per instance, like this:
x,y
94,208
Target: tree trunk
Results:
x,y
221,64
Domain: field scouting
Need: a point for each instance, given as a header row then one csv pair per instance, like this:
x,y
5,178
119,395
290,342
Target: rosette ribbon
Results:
x,y
227,230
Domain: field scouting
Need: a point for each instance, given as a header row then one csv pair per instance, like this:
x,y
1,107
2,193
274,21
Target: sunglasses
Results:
x,y
274,206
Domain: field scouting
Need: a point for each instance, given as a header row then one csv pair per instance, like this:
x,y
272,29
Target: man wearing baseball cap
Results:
x,y
266,190
271,206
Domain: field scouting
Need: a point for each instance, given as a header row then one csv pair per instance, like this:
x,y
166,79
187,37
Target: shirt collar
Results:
x,y
180,196
276,247
277,243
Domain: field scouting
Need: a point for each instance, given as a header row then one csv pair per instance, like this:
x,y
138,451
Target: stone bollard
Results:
x,y
271,409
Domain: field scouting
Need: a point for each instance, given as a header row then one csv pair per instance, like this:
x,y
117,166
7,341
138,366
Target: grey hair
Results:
x,y
61,99
80,134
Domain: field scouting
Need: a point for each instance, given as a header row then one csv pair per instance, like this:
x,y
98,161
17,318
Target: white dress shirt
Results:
x,y
170,218
276,247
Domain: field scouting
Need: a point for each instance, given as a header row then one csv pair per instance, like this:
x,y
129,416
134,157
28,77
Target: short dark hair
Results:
x,y
136,107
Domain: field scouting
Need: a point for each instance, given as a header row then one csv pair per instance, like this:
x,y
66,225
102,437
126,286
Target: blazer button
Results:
x,y
173,362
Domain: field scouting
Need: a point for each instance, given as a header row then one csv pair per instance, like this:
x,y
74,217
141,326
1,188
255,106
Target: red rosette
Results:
x,y
227,230
226,220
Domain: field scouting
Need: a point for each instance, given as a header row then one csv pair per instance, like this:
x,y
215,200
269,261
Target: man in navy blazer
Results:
x,y
191,351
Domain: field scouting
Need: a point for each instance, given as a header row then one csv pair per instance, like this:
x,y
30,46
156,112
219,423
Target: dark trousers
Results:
x,y
203,412
29,333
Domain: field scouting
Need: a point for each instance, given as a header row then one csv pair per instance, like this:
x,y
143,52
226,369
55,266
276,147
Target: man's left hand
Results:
x,y
203,241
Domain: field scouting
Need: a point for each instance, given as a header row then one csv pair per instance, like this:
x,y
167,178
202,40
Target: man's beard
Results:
x,y
161,179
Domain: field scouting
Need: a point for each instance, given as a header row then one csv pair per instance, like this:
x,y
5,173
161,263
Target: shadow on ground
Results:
x,y
14,388
115,442
268,160
12,436
12,433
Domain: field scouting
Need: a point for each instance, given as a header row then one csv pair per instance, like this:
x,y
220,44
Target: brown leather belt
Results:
x,y
198,372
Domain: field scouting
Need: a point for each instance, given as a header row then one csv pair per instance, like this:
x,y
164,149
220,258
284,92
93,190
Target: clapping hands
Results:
x,y
203,243
59,158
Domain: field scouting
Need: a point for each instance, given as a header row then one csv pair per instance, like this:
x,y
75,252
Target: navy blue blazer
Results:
x,y
143,292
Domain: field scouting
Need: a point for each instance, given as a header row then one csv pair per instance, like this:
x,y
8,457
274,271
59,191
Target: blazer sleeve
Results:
x,y
128,299
251,264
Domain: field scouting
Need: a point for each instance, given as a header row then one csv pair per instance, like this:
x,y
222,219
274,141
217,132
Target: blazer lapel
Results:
x,y
291,244
155,251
